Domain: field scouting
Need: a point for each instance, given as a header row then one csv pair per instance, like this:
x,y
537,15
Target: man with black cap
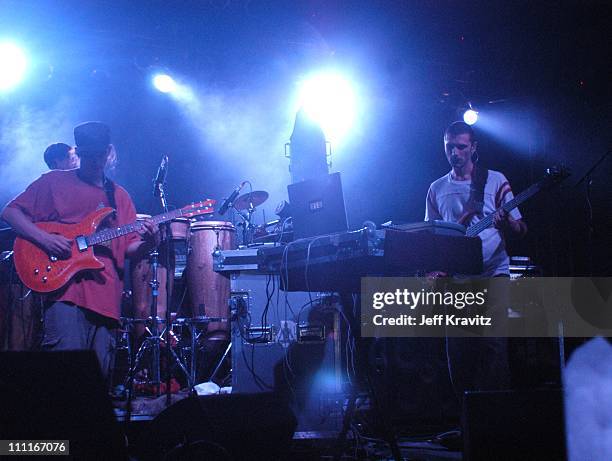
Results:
x,y
81,314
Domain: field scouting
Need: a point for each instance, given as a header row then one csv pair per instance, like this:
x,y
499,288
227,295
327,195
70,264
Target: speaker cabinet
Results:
x,y
511,425
59,396
223,427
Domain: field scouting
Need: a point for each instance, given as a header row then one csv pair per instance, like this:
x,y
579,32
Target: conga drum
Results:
x,y
141,276
179,229
209,291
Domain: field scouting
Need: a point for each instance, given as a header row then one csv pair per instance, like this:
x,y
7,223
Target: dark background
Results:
x,y
538,72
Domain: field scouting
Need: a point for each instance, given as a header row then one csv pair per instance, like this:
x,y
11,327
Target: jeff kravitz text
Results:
x,y
433,320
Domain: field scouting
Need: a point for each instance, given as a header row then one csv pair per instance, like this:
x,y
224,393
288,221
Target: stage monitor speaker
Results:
x,y
224,427
59,396
411,376
512,425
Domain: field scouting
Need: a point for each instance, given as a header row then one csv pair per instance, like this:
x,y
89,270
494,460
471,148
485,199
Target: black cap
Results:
x,y
92,136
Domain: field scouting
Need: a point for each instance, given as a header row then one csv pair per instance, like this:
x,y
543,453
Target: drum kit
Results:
x,y
178,275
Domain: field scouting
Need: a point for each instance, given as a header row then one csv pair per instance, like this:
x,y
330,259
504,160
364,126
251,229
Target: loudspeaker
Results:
x,y
224,427
511,425
411,375
59,396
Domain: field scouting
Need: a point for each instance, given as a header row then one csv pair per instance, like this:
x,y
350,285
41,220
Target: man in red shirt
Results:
x,y
81,314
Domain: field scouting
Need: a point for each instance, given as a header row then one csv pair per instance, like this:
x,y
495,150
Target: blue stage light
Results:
x,y
329,100
13,65
470,116
164,83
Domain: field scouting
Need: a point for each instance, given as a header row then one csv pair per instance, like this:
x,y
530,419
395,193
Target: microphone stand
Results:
x,y
167,235
247,225
171,356
587,179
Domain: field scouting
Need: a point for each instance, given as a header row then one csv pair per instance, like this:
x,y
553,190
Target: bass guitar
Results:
x,y
553,176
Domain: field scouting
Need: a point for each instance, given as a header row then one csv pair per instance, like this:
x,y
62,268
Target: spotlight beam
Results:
x,y
13,66
164,83
470,116
329,100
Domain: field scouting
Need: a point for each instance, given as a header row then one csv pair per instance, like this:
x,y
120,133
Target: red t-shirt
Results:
x,y
61,196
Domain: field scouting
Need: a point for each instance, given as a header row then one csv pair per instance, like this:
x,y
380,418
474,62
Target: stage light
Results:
x,y
13,66
329,100
164,83
470,116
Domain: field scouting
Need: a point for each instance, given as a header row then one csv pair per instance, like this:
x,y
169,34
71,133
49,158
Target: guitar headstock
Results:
x,y
199,208
556,174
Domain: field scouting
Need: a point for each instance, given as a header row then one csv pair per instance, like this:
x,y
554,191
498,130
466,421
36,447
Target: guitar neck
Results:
x,y
484,223
114,232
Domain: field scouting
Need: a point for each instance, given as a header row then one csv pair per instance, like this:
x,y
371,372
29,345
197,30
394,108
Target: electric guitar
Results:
x,y
44,273
553,176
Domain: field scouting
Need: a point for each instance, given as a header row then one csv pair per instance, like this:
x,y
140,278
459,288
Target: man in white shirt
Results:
x,y
465,195
449,199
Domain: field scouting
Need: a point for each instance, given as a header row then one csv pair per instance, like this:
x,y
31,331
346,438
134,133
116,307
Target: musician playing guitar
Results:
x,y
81,313
466,195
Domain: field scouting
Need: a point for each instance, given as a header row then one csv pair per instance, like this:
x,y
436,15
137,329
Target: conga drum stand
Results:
x,y
153,341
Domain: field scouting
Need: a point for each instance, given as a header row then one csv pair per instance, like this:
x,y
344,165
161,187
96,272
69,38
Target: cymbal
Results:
x,y
257,197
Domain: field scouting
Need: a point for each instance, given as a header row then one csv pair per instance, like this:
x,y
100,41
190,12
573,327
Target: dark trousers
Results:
x,y
482,363
70,327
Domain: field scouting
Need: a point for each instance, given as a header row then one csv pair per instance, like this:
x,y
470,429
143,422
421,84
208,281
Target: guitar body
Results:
x,y
44,274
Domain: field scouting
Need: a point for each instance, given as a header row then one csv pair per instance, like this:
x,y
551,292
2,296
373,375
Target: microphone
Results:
x,y
230,200
160,178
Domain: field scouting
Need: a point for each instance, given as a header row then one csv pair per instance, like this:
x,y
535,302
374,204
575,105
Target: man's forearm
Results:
x,y
22,224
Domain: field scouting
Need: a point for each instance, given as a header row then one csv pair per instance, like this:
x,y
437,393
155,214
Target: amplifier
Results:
x,y
290,344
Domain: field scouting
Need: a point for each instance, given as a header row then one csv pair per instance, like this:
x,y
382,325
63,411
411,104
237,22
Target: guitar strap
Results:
x,y
475,203
109,188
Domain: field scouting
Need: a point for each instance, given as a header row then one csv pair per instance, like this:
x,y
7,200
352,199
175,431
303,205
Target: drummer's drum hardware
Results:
x,y
229,202
244,207
250,200
20,310
283,210
299,355
317,206
7,239
44,273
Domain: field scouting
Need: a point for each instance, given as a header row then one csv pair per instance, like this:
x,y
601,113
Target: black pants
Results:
x,y
70,327
482,363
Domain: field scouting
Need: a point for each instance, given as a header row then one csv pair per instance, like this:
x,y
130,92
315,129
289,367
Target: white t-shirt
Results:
x,y
446,200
